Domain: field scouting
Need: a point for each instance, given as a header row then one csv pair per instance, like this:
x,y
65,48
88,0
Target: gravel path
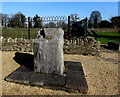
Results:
x,y
101,74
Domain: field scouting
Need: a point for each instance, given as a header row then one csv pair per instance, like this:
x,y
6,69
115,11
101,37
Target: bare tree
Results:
x,y
74,17
4,19
95,18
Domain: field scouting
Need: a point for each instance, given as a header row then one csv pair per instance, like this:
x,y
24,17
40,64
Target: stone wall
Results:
x,y
82,45
17,44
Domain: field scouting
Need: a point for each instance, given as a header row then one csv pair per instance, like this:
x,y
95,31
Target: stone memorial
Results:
x,y
47,67
48,51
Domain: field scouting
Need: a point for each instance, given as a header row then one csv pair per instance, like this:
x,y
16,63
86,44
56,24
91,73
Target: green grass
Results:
x,y
106,37
19,32
109,33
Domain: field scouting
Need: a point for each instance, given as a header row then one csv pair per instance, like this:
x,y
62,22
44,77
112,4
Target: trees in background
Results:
x,y
74,17
19,20
63,25
95,21
95,18
37,22
51,24
105,24
115,21
4,19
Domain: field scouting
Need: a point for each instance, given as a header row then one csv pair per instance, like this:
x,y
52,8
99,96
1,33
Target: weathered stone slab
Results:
x,y
18,77
75,66
55,80
36,79
74,79
26,76
71,73
77,83
48,51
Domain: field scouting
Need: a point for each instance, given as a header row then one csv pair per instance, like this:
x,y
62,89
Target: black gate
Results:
x,y
49,22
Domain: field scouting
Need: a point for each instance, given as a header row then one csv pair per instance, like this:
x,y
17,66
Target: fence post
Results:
x,y
69,25
86,25
29,28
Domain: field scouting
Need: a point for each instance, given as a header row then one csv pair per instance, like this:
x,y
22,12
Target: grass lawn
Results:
x,y
19,32
106,37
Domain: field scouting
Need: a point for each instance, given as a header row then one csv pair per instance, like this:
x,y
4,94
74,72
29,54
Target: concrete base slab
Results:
x,y
74,78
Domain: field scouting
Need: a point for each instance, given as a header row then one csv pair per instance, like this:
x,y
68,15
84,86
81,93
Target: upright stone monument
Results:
x,y
48,58
48,51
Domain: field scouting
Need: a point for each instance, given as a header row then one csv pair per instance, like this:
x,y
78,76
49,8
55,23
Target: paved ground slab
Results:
x,y
74,78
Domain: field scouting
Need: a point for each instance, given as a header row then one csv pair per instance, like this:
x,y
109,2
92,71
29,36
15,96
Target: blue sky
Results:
x,y
84,9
